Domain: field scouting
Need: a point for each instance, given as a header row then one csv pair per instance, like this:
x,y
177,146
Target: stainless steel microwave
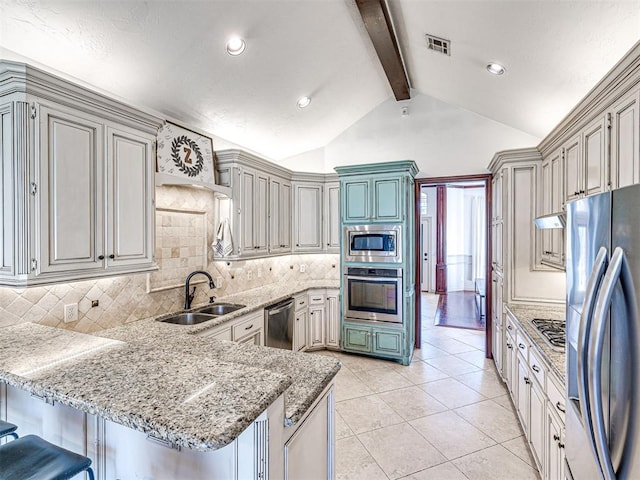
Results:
x,y
372,243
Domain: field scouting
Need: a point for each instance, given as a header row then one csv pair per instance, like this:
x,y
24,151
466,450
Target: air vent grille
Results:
x,y
437,44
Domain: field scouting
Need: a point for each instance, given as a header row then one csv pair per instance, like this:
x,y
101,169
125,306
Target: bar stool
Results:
x,y
7,428
32,458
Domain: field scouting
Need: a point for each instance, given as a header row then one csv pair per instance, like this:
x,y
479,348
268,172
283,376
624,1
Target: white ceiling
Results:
x,y
169,56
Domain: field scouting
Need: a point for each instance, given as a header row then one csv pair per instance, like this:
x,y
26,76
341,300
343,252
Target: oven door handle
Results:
x,y
374,279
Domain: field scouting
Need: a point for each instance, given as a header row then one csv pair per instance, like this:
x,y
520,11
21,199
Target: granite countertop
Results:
x,y
524,314
197,392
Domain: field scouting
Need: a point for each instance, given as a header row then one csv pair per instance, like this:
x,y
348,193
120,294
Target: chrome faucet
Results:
x,y
188,296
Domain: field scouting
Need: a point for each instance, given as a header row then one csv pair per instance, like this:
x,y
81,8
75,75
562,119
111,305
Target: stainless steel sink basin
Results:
x,y
191,318
221,308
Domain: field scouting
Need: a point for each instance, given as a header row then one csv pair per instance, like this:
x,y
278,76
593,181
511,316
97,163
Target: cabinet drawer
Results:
x,y
537,367
316,299
301,302
556,398
522,344
247,327
511,327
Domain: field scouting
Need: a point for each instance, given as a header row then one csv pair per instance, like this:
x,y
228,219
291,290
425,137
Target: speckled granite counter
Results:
x,y
524,314
163,380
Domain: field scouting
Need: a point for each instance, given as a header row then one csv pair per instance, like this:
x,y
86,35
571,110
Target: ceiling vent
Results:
x,y
438,44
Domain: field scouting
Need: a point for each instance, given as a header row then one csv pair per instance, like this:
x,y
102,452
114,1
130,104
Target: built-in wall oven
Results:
x,y
373,295
372,243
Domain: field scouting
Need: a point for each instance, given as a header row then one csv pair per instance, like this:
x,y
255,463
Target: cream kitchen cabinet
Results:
x,y
552,243
301,322
624,117
574,170
247,328
253,209
280,215
317,320
77,182
307,230
332,338
332,216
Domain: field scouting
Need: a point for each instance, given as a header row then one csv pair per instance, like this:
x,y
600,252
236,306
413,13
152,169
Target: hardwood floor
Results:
x,y
458,310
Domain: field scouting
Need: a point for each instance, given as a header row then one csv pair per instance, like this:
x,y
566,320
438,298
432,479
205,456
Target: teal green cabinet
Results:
x,y
375,340
357,338
377,199
387,342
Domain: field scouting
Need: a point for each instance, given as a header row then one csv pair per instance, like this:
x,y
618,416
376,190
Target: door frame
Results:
x,y
435,182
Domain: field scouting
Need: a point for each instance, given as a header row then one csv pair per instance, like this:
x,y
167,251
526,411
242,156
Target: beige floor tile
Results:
x,y
420,372
353,462
451,435
341,428
427,351
494,420
495,463
452,393
487,382
400,450
358,363
444,471
349,386
364,414
383,379
473,341
412,402
520,448
477,358
504,401
452,365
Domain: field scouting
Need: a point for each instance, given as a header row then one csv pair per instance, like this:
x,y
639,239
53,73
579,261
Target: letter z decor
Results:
x,y
184,157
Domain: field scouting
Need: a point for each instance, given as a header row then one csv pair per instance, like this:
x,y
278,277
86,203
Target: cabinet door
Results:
x,y
546,207
333,319
523,393
248,186
595,143
356,200
387,342
261,211
316,326
537,415
279,215
625,141
573,169
130,194
7,186
70,180
509,362
557,234
554,448
356,338
308,225
332,216
387,200
300,330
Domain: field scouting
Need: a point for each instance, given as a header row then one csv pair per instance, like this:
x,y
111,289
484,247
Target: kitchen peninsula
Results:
x,y
154,400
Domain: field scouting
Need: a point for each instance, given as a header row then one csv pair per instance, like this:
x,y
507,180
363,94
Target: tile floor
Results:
x,y
447,416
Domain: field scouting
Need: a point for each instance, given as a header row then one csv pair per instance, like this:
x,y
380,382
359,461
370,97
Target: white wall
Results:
x,y
442,139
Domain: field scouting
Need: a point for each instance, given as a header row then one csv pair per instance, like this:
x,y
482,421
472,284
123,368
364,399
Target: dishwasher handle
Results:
x,y
279,307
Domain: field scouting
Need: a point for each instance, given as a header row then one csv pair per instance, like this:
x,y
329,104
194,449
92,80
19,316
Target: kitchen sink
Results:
x,y
191,318
220,308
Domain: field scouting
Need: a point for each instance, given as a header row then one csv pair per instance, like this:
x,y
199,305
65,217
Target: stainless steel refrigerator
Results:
x,y
603,341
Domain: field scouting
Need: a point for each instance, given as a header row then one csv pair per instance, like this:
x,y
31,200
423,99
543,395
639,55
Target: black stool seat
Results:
x,y
32,458
7,428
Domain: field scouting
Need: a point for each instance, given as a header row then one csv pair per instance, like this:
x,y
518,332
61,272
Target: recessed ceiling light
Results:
x,y
496,68
304,102
235,46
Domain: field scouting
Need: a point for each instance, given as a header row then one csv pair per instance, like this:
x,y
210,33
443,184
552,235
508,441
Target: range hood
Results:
x,y
553,220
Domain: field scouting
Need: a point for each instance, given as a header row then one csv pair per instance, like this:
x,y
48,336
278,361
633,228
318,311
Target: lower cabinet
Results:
x,y
332,338
538,400
377,340
245,329
300,330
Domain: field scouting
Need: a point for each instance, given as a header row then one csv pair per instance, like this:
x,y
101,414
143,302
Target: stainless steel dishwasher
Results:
x,y
279,322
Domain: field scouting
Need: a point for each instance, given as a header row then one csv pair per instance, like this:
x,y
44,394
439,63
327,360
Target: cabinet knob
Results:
x,y
526,380
560,407
521,346
535,368
297,244
112,256
556,437
100,257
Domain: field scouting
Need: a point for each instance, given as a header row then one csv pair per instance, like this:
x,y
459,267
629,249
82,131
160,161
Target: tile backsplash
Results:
x,y
184,232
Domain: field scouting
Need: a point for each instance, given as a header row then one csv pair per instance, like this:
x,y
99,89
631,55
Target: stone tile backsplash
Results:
x,y
184,229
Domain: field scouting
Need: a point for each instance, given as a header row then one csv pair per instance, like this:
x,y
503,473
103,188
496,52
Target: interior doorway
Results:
x,y
453,255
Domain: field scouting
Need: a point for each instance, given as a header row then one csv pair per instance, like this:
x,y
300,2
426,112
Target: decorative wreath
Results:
x,y
193,170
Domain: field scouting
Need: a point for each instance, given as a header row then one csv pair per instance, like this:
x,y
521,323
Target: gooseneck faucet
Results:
x,y
188,296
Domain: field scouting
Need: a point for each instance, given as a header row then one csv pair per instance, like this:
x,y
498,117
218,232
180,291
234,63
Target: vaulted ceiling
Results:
x,y
170,56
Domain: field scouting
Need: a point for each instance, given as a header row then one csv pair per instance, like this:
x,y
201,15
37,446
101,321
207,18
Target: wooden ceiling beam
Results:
x,y
377,21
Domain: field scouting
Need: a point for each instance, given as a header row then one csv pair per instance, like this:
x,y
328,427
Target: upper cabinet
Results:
x,y
77,181
552,240
275,211
376,199
625,140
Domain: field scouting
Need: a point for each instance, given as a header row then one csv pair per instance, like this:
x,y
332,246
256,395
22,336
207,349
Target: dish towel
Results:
x,y
223,243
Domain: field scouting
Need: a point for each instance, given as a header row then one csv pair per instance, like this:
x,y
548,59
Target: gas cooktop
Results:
x,y
552,331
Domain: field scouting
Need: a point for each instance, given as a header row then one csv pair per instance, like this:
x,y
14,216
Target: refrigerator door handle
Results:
x,y
586,319
596,344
